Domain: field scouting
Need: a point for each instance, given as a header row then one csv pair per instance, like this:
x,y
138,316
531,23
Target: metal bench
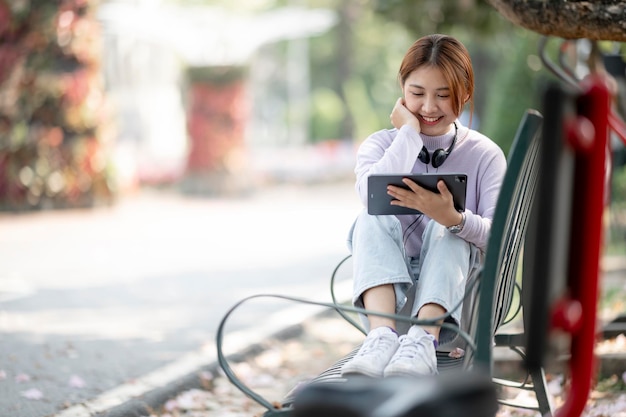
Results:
x,y
496,283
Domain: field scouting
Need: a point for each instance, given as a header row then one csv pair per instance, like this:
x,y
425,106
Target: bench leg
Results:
x,y
541,391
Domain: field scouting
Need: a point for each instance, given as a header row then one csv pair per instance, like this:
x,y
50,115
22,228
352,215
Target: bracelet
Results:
x,y
458,227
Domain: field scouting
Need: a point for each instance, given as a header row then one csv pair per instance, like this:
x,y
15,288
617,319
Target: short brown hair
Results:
x,y
451,57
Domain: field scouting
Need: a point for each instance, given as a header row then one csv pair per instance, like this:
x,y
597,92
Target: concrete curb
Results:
x,y
151,391
145,403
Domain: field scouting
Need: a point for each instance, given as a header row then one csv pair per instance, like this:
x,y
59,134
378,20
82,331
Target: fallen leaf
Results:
x,y
555,386
32,394
206,376
76,382
22,378
192,399
171,405
456,353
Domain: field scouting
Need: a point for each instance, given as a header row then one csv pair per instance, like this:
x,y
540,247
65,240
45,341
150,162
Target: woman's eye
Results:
x,y
440,96
418,94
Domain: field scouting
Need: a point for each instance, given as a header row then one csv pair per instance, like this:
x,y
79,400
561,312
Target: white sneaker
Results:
x,y
374,354
415,356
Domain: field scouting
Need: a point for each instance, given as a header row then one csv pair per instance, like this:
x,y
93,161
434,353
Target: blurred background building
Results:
x,y
195,91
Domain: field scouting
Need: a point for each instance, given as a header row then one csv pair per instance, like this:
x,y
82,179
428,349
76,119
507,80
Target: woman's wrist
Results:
x,y
414,124
457,227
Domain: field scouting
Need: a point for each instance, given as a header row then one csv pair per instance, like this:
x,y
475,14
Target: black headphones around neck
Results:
x,y
440,155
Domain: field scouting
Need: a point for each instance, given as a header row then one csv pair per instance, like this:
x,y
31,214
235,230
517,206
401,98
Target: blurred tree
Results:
x,y
52,138
358,61
349,13
476,17
515,86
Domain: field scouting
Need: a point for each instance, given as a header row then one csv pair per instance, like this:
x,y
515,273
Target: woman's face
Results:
x,y
427,95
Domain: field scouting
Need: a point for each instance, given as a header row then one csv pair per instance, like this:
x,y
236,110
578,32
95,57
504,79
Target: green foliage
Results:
x,y
52,139
436,16
616,234
618,192
515,86
611,384
361,66
361,108
327,113
219,75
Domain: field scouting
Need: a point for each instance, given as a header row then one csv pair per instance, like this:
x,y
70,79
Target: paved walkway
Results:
x,y
93,299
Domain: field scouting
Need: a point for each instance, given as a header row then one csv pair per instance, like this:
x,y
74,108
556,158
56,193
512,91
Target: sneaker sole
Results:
x,y
403,373
361,372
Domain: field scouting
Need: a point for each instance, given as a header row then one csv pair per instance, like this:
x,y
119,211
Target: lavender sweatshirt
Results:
x,y
395,151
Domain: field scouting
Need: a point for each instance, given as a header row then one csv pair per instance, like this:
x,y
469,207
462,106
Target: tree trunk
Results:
x,y
596,20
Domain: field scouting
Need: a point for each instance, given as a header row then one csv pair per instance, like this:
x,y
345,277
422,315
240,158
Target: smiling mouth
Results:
x,y
431,120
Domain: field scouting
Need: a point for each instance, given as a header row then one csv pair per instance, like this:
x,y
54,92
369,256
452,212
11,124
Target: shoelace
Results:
x,y
409,347
372,344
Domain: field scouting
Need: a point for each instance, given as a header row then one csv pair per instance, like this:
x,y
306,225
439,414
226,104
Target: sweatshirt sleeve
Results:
x,y
478,225
386,151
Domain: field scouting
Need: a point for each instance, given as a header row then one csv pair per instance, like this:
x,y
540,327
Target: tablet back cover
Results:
x,y
379,202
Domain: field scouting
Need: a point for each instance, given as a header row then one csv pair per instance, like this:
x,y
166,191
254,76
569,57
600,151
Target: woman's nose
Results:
x,y
429,104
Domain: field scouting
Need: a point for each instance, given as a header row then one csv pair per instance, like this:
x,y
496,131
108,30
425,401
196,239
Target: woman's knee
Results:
x,y
366,220
371,227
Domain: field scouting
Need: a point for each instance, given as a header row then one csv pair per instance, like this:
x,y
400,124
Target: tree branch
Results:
x,y
573,19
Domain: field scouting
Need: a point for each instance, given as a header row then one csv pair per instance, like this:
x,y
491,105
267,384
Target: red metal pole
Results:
x,y
586,242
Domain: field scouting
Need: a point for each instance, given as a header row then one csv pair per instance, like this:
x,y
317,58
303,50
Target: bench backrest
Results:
x,y
508,232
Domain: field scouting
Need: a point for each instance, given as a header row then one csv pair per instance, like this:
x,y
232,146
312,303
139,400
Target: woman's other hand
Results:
x,y
437,206
401,116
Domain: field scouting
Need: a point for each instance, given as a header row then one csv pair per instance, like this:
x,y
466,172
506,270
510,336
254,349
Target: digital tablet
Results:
x,y
379,202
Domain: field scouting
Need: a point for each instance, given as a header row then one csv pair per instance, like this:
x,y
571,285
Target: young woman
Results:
x,y
432,254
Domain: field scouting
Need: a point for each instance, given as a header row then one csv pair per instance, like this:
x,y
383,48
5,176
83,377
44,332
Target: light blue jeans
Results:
x,y
438,275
